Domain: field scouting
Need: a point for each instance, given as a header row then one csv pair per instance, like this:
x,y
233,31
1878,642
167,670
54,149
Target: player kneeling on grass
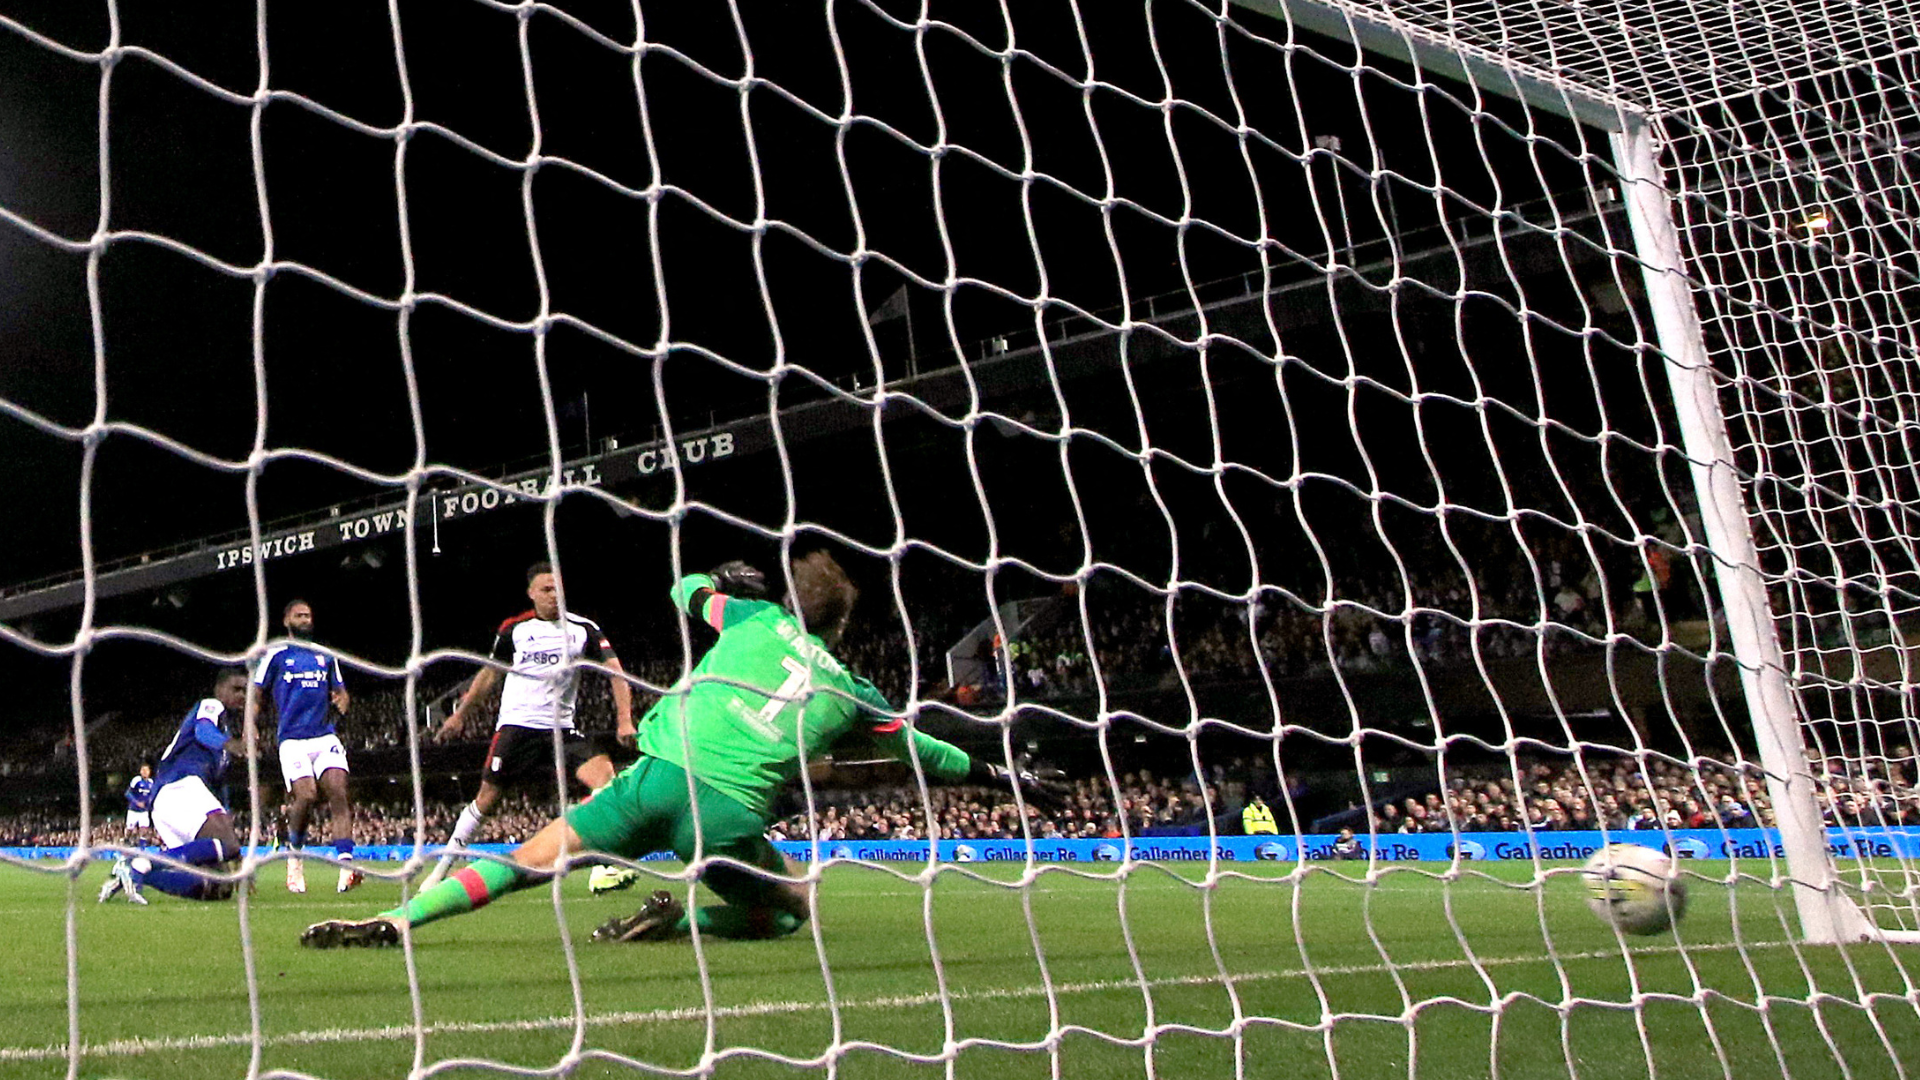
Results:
x,y
192,824
765,696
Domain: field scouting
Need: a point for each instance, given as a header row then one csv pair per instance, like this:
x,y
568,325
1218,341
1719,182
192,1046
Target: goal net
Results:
x,y
1381,453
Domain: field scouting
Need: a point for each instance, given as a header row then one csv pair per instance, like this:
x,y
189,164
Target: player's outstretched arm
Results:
x,y
478,691
1047,789
944,762
722,598
622,703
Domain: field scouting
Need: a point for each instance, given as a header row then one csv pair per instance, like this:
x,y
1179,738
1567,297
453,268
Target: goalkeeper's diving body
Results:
x,y
766,697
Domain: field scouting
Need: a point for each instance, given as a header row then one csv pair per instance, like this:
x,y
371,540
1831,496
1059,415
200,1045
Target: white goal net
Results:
x,y
1381,453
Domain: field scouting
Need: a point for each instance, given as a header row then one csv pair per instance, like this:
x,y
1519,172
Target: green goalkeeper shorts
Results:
x,y
648,808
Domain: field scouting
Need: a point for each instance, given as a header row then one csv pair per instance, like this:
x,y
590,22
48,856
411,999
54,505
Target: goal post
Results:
x,y
1827,915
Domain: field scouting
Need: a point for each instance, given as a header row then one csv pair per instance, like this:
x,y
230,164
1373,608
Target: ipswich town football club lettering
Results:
x,y
689,452
465,502
274,548
612,469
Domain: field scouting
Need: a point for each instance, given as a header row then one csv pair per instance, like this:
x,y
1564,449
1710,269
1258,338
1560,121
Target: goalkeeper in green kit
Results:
x,y
767,697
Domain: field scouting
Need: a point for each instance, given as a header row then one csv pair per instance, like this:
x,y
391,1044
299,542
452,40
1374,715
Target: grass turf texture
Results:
x,y
163,989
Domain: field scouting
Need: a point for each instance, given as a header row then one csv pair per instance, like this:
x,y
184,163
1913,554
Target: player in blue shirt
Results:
x,y
193,825
140,803
303,684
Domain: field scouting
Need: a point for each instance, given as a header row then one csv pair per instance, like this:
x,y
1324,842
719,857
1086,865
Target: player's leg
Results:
x,y
594,768
619,822
198,832
508,756
472,816
595,772
333,782
301,795
296,768
472,887
758,902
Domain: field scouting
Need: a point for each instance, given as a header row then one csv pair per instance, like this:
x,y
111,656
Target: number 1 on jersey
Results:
x,y
789,691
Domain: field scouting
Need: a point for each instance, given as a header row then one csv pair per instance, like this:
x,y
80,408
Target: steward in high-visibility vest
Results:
x,y
1257,820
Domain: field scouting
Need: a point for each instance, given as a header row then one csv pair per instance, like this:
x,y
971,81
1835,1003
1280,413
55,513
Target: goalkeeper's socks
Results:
x,y
473,887
727,921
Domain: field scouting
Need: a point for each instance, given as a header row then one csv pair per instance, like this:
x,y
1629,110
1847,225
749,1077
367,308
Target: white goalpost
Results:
x,y
1827,913
1634,100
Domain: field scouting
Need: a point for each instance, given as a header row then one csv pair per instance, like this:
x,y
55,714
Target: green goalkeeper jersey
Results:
x,y
765,699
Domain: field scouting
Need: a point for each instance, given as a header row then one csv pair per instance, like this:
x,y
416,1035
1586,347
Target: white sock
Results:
x,y
469,823
463,830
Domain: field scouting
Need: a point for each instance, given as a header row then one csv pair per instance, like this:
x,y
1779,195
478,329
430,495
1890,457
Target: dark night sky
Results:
x,y
179,338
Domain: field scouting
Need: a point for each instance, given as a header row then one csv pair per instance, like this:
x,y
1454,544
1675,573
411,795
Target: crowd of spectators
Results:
x,y
1148,803
1315,634
1611,792
1354,625
1614,792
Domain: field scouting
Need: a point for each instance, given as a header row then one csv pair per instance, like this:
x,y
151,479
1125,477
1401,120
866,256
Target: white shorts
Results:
x,y
302,759
139,819
180,808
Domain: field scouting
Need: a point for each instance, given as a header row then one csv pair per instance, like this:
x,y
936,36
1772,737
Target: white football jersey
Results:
x,y
541,684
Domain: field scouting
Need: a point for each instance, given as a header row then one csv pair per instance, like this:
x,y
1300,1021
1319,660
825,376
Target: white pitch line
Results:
x,y
136,1047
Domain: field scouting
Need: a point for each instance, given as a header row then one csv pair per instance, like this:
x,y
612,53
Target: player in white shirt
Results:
x,y
540,650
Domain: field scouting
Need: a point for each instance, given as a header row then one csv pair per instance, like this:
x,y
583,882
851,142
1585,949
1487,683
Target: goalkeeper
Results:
x,y
767,696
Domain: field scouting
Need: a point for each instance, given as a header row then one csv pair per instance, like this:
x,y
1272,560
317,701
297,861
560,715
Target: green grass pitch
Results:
x,y
1454,979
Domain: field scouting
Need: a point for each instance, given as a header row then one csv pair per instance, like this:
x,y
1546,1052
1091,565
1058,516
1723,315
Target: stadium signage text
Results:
x,y
1432,847
613,469
476,499
692,452
465,502
275,548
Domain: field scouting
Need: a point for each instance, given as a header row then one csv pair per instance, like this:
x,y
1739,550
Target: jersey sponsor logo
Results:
x,y
544,658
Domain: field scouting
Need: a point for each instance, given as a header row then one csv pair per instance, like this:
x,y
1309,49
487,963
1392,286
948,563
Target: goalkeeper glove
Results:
x,y
1047,789
736,578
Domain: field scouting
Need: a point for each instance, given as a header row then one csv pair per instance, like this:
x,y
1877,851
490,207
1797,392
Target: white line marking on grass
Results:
x,y
136,1047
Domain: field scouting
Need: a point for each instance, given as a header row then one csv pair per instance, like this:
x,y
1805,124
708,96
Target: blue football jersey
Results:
x,y
302,680
198,747
140,795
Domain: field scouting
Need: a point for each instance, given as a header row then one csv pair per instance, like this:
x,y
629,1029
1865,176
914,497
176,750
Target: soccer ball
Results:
x,y
1634,888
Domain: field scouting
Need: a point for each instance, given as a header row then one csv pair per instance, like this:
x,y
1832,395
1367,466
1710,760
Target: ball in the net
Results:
x,y
1634,888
